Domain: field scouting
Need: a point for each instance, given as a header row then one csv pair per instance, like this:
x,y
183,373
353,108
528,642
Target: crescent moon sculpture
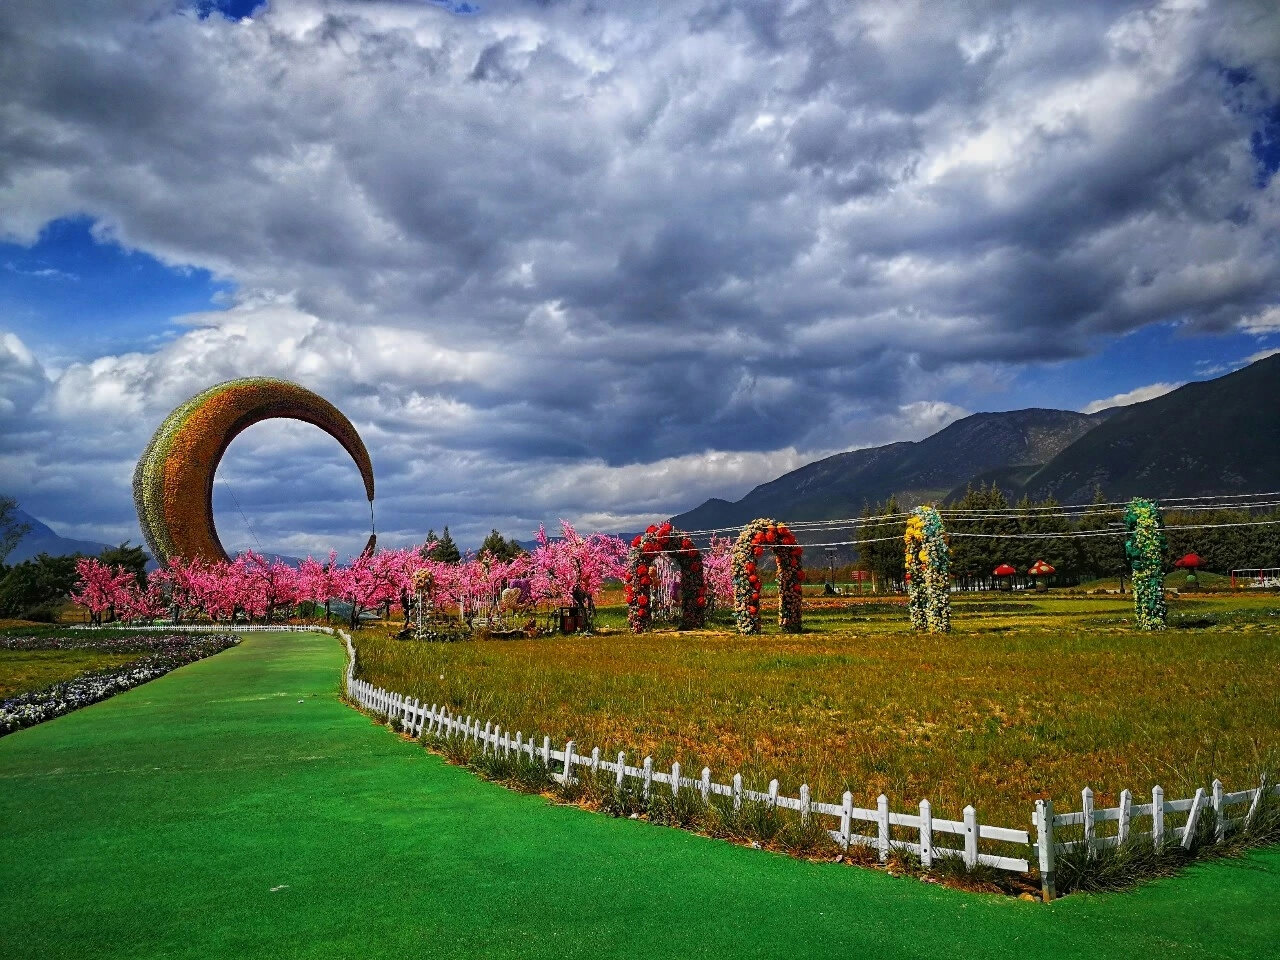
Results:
x,y
173,482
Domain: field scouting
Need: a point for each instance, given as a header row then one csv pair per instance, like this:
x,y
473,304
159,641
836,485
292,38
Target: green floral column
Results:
x,y
928,566
1144,549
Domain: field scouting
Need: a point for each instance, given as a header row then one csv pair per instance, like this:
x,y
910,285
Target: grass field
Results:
x,y
1029,697
236,808
23,670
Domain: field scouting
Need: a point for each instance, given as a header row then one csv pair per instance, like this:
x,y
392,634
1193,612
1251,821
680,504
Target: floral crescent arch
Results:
x,y
173,482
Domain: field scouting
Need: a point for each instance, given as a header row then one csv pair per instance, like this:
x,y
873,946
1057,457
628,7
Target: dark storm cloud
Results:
x,y
550,254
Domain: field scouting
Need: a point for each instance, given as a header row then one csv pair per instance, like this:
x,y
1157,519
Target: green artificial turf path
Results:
x,y
235,808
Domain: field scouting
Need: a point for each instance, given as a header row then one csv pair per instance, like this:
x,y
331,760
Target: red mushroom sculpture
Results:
x,y
1040,570
1190,563
1004,572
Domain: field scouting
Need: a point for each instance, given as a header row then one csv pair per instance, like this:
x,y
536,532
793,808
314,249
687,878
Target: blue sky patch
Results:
x,y
73,297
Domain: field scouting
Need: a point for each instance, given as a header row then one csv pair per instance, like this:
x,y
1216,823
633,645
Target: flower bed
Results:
x,y
166,652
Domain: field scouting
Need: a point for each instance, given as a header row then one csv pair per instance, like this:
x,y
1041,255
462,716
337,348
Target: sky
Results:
x,y
603,261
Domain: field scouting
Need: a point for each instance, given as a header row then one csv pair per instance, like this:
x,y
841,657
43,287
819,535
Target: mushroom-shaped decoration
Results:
x,y
1190,563
1039,570
1004,572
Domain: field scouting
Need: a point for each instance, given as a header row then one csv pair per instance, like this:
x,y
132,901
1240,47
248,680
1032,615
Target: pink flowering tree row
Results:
x,y
568,570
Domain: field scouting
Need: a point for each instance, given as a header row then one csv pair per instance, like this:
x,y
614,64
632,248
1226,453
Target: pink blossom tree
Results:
x,y
368,583
717,570
101,589
265,585
571,570
139,603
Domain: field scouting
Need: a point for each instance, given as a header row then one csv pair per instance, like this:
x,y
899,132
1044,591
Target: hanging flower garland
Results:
x,y
1144,549
755,538
928,565
642,574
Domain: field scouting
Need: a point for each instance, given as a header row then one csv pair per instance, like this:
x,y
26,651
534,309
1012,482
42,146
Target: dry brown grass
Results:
x,y
1029,697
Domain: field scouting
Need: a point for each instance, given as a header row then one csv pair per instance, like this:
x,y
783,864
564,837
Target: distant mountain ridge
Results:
x,y
41,538
1211,437
916,471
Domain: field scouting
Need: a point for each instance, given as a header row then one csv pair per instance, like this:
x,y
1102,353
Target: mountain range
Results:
x,y
1212,437
1217,436
41,538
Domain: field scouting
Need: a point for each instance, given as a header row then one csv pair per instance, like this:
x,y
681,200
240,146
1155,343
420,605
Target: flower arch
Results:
x,y
927,561
757,537
1144,548
645,549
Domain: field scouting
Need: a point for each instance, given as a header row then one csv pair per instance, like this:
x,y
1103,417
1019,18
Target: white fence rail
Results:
x,y
886,827
889,830
1131,821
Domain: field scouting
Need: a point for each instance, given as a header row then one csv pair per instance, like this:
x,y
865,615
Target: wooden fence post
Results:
x,y
1255,804
737,791
675,778
484,749
648,776
1193,819
773,794
1044,846
926,834
705,786
1126,814
595,761
1219,817
970,837
806,806
622,770
546,753
846,820
882,827
1086,806
1157,817
519,744
568,762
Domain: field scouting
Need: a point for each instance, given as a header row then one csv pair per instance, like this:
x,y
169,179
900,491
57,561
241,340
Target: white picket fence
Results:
x,y
437,721
889,827
1127,815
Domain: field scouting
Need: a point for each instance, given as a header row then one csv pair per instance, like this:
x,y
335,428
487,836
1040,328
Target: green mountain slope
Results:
x,y
1214,437
839,486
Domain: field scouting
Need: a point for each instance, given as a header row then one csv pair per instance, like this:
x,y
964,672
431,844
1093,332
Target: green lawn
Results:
x,y
236,808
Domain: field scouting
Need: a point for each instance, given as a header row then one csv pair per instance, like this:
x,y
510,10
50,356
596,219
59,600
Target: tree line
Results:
x,y
1074,558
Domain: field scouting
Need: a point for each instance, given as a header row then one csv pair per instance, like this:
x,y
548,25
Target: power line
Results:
x,y
1237,501
248,526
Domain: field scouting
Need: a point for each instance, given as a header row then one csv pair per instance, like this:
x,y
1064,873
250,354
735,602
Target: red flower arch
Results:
x,y
757,537
638,580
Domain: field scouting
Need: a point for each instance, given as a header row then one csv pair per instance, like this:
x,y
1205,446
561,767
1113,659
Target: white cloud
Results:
x,y
548,256
1136,395
1263,322
1260,355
